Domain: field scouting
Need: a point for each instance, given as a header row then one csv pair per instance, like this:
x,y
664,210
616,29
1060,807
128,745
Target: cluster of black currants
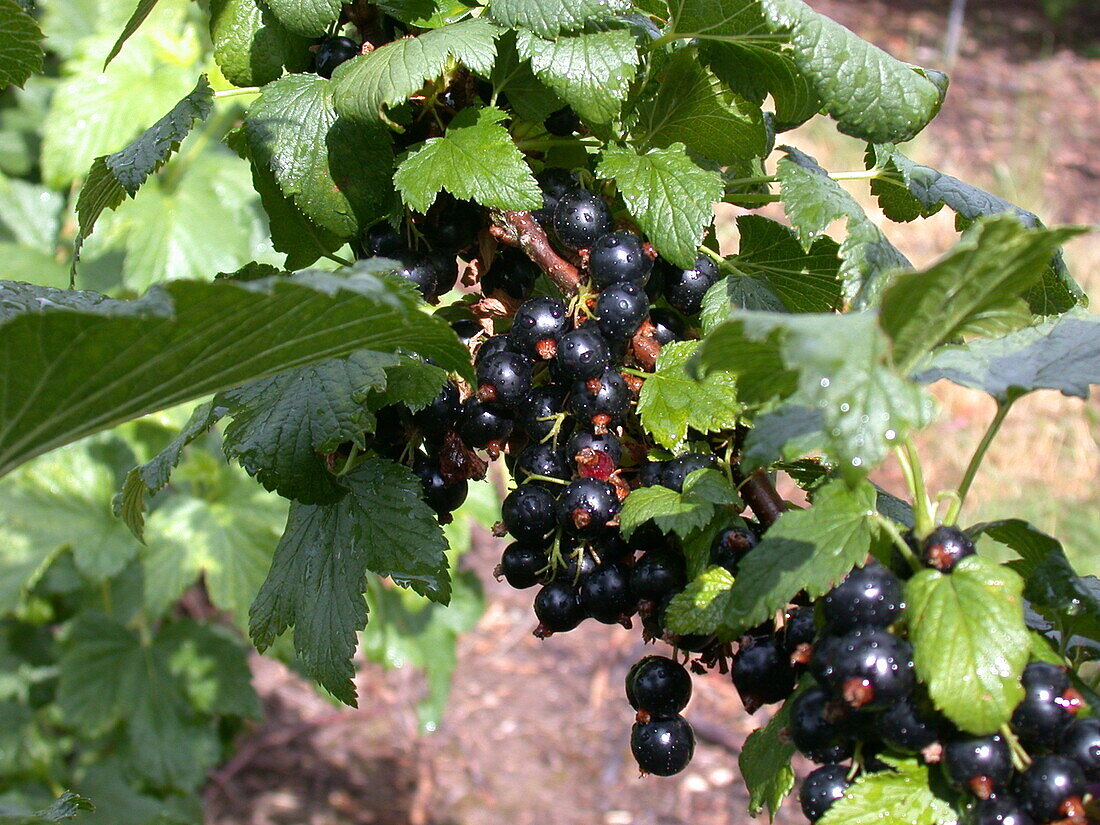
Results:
x,y
866,702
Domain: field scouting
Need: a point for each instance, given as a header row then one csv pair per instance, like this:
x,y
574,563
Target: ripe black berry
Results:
x,y
762,674
813,730
868,668
538,325
441,496
504,379
981,764
999,810
492,346
586,505
945,547
563,122
658,685
620,310
429,271
332,52
580,218
1047,787
821,789
558,608
606,407
605,594
482,427
1047,708
685,288
382,239
1081,743
536,414
529,514
868,597
441,414
678,469
582,354
522,565
799,629
594,456
554,182
662,746
451,225
667,326
730,546
512,273
543,460
651,473
618,256
467,329
906,727
658,574
579,564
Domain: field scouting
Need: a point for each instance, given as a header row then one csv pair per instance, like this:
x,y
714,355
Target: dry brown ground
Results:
x,y
536,732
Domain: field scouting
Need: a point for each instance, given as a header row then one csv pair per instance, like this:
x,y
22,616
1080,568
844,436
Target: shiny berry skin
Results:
x,y
554,181
579,564
438,494
904,727
382,239
1045,787
678,469
658,574
543,460
537,326
667,326
730,546
658,685
441,414
427,270
585,506
332,52
762,674
582,354
868,668
616,257
1043,714
799,629
620,310
512,273
492,346
451,225
978,763
537,411
663,747
606,594
868,597
685,288
999,810
1081,743
821,788
522,565
580,218
504,379
528,513
558,608
604,408
482,427
651,472
563,122
467,329
582,440
944,548
814,734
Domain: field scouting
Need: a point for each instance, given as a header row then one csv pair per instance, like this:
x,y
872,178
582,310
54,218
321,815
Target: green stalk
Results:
x,y
976,460
914,478
899,541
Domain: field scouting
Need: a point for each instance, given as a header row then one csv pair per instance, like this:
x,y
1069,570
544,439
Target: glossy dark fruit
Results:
x,y
504,379
868,597
658,574
441,496
868,668
1000,810
536,413
579,564
580,218
332,52
730,546
799,629
585,506
944,548
554,182
662,746
451,225
482,427
678,469
1081,743
980,764
543,460
523,565
586,440
529,514
604,408
606,595
429,271
558,607
1047,785
616,257
441,414
821,788
492,346
1047,708
467,329
906,727
685,288
658,685
667,326
537,326
563,122
382,239
651,473
512,273
815,732
620,310
582,354
762,673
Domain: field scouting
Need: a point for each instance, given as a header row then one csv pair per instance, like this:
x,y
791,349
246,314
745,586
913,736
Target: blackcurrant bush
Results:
x,y
678,469
868,668
537,326
538,411
1047,787
730,546
523,565
491,346
586,506
512,273
868,597
620,310
332,52
821,788
762,673
667,325
658,574
999,810
580,218
685,288
814,731
582,354
382,239
618,256
441,496
563,122
906,727
482,427
658,685
558,608
1045,711
1081,742
606,595
441,414
529,514
543,460
554,183
662,746
945,547
504,379
981,764
607,406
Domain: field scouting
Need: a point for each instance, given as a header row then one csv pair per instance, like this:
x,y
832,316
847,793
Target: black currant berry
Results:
x,y
585,506
667,326
558,608
662,746
523,565
658,685
543,460
999,810
762,674
537,414
467,329
906,727
607,406
813,730
529,514
382,239
618,256
563,122
482,427
582,354
504,379
451,225
821,789
685,288
678,469
1051,788
538,325
620,310
441,414
492,346
658,574
868,668
554,183
1047,708
944,548
730,546
606,595
427,270
579,564
580,218
651,473
332,52
592,455
980,764
799,629
512,273
441,496
868,597
1081,743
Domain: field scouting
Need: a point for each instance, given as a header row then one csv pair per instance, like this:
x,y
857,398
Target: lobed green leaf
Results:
x,y
21,53
548,18
251,46
900,795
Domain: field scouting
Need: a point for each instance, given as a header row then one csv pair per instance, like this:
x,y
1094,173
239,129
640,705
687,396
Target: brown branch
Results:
x,y
766,504
522,230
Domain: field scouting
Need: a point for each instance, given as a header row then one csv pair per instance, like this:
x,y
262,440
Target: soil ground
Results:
x,y
537,732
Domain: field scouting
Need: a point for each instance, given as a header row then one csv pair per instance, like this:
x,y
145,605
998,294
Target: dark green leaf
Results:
x,y
756,68
700,607
680,513
144,7
251,46
757,361
21,52
765,764
410,382
512,76
548,18
900,795
737,292
784,434
212,662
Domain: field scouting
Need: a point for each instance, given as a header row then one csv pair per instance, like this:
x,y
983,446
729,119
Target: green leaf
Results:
x,y
1060,354
979,282
285,425
590,72
671,402
30,215
21,52
670,197
335,171
75,363
212,663
251,46
680,513
113,177
308,18
142,11
900,795
970,643
700,606
411,382
512,76
807,550
765,764
757,361
812,201
476,160
548,18
66,806
784,434
691,106
737,292
389,74
318,576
